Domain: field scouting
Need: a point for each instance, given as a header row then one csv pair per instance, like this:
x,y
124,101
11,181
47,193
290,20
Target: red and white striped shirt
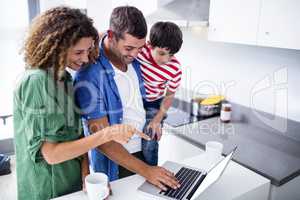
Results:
x,y
158,78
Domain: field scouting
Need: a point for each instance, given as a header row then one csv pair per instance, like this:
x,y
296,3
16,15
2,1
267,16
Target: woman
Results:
x,y
48,133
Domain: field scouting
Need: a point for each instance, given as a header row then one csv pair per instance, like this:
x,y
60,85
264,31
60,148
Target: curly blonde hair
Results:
x,y
52,33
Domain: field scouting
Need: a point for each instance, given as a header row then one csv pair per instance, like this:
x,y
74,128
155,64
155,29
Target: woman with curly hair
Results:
x,y
50,148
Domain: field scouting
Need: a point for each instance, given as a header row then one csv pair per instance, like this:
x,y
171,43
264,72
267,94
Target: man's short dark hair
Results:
x,y
166,35
128,19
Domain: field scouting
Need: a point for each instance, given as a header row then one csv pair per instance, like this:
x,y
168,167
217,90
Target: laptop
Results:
x,y
193,181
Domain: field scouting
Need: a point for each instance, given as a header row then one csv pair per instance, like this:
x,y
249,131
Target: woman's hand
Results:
x,y
122,133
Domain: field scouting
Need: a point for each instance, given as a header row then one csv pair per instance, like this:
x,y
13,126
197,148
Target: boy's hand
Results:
x,y
154,129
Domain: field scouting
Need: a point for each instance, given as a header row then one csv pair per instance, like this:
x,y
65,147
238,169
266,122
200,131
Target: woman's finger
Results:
x,y
142,135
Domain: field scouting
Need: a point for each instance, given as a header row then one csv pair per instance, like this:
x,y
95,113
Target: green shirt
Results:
x,y
44,111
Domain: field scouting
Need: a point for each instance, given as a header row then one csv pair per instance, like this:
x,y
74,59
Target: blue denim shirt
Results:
x,y
97,96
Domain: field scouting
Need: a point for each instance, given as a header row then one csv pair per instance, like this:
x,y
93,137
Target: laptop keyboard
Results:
x,y
186,177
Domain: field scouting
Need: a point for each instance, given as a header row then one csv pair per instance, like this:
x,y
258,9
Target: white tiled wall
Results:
x,y
262,78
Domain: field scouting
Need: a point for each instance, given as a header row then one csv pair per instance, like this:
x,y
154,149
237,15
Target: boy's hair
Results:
x,y
166,35
128,19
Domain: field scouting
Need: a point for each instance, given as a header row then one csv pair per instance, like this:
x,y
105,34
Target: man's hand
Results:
x,y
161,178
155,130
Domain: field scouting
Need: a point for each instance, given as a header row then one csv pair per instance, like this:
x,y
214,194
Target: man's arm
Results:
x,y
155,123
156,175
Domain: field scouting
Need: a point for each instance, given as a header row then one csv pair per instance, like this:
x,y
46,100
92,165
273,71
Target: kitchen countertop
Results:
x,y
234,176
272,155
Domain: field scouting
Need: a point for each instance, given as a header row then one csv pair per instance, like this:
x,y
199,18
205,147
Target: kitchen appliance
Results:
x,y
200,109
210,106
4,165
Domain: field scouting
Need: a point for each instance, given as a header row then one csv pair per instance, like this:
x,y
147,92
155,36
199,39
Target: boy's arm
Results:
x,y
155,123
167,101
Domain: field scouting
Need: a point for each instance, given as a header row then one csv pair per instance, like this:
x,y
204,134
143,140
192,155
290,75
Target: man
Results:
x,y
110,92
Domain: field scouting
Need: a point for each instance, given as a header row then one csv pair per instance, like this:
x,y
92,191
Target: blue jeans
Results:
x,y
150,148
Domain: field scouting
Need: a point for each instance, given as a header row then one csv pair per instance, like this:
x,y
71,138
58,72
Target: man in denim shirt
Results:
x,y
103,93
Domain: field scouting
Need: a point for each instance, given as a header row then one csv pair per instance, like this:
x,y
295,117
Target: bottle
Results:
x,y
225,115
194,107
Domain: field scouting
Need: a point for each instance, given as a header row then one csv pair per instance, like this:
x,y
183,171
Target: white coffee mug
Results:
x,y
97,186
214,150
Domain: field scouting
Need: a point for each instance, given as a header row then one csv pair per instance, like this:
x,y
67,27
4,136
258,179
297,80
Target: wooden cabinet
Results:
x,y
256,22
279,24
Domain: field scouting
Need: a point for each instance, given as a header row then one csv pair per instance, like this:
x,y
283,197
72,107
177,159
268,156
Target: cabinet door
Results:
x,y
176,149
279,24
234,21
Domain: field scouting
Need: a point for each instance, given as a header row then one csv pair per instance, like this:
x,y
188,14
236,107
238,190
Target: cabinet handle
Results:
x,y
267,33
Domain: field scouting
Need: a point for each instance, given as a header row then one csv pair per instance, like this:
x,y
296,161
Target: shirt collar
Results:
x,y
103,59
71,71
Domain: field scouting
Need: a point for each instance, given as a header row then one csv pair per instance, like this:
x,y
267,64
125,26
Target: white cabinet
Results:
x,y
279,24
256,22
233,21
174,148
146,7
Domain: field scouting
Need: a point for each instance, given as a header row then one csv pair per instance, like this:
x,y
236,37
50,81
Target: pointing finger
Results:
x,y
142,135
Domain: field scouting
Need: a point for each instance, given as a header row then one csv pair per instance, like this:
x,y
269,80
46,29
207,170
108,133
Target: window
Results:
x,y
13,23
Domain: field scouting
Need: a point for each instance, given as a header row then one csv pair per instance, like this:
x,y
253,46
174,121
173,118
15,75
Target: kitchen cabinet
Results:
x,y
279,24
233,21
256,22
174,148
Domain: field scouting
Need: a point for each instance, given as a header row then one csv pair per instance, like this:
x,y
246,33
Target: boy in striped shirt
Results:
x,y
161,72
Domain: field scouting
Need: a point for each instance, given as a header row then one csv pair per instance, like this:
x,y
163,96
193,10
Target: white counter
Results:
x,y
237,182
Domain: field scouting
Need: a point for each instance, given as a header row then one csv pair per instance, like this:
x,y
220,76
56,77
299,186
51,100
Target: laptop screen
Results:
x,y
213,175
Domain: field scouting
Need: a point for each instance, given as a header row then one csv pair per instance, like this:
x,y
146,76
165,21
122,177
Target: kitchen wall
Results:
x,y
161,3
258,77
100,11
46,4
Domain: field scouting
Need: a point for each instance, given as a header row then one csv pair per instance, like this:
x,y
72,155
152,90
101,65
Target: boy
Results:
x,y
162,75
